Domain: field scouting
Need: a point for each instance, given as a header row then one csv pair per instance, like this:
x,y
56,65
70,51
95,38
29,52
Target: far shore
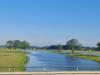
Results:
x,y
79,54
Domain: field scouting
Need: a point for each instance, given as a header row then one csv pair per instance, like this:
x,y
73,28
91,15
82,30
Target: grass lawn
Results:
x,y
12,58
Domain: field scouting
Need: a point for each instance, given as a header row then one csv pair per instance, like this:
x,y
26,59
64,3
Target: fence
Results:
x,y
51,68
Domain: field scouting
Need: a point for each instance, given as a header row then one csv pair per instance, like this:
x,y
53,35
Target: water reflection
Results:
x,y
45,61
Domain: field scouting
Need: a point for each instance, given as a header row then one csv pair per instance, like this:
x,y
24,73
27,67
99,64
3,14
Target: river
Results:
x,y
40,61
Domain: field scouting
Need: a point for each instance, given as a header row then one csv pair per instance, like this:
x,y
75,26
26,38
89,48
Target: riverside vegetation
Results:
x,y
75,49
13,59
89,55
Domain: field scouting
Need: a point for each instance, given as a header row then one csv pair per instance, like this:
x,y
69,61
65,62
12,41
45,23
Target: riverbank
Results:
x,y
15,59
89,55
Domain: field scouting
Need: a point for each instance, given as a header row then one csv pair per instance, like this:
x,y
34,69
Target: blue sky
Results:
x,y
46,22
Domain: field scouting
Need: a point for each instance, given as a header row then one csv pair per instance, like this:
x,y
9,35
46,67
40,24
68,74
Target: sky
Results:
x,y
47,22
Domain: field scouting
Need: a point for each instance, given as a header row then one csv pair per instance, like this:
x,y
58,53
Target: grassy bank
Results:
x,y
88,57
79,54
12,58
59,51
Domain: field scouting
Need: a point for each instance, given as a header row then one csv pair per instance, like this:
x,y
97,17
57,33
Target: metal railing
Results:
x,y
45,68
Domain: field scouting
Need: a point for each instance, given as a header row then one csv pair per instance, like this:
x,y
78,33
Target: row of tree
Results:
x,y
17,44
73,44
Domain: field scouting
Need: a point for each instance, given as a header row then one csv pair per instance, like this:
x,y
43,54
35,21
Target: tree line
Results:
x,y
73,44
17,44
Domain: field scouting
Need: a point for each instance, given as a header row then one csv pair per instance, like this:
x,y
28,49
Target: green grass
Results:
x,y
12,58
58,51
78,54
88,57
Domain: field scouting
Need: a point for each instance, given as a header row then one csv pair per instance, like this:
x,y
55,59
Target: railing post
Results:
x,y
44,69
9,70
77,68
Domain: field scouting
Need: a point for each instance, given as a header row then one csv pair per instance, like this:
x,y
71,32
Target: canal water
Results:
x,y
40,61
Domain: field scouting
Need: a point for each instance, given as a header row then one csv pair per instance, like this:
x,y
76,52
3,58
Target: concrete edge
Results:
x,y
68,72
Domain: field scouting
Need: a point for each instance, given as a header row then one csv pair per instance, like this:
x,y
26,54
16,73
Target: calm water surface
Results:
x,y
45,61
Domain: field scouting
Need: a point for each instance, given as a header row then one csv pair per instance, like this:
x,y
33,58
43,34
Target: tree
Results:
x,y
25,45
60,47
9,44
65,47
52,47
98,45
73,44
17,44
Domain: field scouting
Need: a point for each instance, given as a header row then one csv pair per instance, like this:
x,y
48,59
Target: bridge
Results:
x,y
77,71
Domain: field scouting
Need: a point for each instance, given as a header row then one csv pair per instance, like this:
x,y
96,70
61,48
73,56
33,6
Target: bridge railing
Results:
x,y
45,68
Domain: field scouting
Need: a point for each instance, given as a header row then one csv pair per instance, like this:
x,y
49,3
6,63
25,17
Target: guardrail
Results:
x,y
45,68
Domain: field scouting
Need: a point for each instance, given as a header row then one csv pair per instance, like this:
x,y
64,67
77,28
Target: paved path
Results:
x,y
52,73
